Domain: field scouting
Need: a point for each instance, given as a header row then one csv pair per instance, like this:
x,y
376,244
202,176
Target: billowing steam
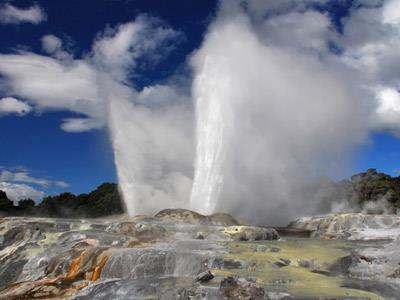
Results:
x,y
269,120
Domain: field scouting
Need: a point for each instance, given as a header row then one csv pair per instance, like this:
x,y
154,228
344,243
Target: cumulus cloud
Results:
x,y
54,46
17,191
23,176
51,43
119,50
371,37
10,105
388,112
51,84
308,30
10,14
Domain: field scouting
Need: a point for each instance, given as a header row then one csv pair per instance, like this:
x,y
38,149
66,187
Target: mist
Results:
x,y
271,121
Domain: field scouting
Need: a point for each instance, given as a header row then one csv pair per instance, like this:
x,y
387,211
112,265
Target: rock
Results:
x,y
180,216
282,263
305,263
251,233
343,264
205,276
232,288
274,249
279,296
220,219
154,259
351,226
191,217
199,236
140,230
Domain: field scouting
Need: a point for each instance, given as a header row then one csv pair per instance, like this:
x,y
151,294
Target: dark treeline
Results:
x,y
103,201
369,186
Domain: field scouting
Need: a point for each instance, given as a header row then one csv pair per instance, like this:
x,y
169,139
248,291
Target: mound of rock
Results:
x,y
191,217
351,226
251,233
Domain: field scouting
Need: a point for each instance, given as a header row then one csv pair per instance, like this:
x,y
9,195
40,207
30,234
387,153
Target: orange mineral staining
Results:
x,y
98,268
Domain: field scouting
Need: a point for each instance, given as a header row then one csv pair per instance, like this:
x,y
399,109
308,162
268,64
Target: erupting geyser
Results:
x,y
270,117
212,133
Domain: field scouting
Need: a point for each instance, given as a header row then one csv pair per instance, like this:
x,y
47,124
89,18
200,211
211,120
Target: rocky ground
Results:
x,y
180,254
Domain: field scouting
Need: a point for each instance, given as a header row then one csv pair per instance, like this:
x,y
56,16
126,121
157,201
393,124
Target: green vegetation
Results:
x,y
103,201
369,186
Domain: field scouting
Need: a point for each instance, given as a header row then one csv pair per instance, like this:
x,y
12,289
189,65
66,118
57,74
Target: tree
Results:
x,y
6,204
26,204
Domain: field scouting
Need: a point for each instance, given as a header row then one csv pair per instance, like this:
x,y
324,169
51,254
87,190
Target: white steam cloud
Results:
x,y
270,119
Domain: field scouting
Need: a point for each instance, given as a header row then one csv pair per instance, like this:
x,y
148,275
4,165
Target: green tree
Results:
x,y
26,204
6,204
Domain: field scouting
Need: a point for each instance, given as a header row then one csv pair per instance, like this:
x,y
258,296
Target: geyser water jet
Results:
x,y
270,120
212,133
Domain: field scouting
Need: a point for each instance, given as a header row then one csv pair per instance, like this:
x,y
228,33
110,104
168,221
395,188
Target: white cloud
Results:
x,y
261,8
17,191
308,30
23,176
64,83
51,84
10,105
117,50
370,43
61,184
51,43
391,12
10,14
54,46
388,111
6,175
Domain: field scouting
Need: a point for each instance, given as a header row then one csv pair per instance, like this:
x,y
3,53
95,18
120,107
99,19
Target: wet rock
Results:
x,y
180,216
228,264
199,236
205,276
251,233
148,258
351,226
305,263
322,272
282,263
220,219
166,288
146,262
395,274
279,296
191,217
140,230
274,249
10,272
343,264
232,288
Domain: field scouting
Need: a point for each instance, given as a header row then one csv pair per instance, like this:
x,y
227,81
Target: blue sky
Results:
x,y
35,143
